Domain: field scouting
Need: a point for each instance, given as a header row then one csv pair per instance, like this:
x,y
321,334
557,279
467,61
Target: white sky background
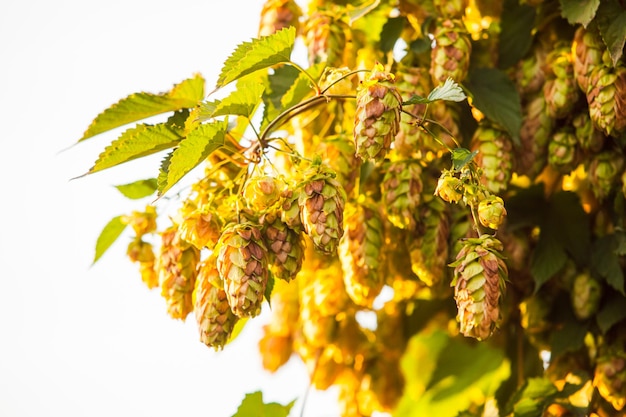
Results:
x,y
93,341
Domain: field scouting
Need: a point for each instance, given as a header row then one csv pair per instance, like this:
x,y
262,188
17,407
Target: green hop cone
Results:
x,y
479,280
587,49
560,88
585,295
261,192
277,15
401,189
605,97
321,202
242,265
325,36
534,136
491,212
290,210
450,58
213,313
495,156
610,378
377,119
285,248
563,150
360,252
589,138
449,187
529,74
604,171
340,155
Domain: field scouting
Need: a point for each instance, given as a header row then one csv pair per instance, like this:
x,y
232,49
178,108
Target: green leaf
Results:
x,y
137,142
547,259
611,312
138,189
579,11
531,399
241,102
448,91
461,157
192,150
611,21
239,325
392,30
570,337
139,106
301,87
108,236
495,95
253,406
357,12
517,23
258,54
163,169
276,85
605,261
269,288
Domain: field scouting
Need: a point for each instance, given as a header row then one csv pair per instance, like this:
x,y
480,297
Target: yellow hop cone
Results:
x,y
479,280
449,187
261,192
177,268
277,15
149,274
242,264
285,247
142,222
200,226
491,212
610,378
214,317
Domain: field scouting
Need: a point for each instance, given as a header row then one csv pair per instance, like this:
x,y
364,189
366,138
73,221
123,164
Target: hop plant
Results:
x,y
401,190
450,58
560,88
321,202
278,14
242,265
604,171
494,156
359,252
214,316
479,280
377,116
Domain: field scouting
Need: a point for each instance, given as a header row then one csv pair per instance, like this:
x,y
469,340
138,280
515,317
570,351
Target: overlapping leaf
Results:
x,y
139,106
579,11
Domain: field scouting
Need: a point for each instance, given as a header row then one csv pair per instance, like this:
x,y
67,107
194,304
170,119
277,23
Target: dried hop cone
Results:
x,y
285,248
450,57
401,189
604,171
359,252
494,156
585,295
277,15
560,88
242,264
479,280
321,202
213,313
606,96
377,121
610,378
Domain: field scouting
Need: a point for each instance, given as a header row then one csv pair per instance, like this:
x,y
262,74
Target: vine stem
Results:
x,y
318,90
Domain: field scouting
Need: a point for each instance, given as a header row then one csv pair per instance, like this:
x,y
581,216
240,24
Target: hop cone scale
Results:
x,y
479,279
242,264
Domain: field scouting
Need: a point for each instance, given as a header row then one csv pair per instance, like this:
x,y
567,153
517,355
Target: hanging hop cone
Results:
x,y
411,81
604,171
491,212
277,15
560,88
321,202
377,121
450,57
449,187
177,268
428,243
289,208
494,156
213,314
142,222
359,252
340,155
562,150
141,251
200,226
585,295
325,37
261,192
242,264
587,49
454,9
479,280
589,138
606,100
401,190
610,378
285,247
529,75
534,137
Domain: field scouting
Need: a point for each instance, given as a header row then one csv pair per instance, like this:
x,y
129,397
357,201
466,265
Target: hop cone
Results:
x,y
494,156
589,138
610,378
534,136
450,57
588,49
411,81
290,210
377,115
321,202
200,226
562,150
401,190
428,244
604,171
177,273
285,248
142,222
261,192
454,9
605,96
534,312
340,155
242,264
479,279
278,14
359,253
560,88
585,295
325,38
529,75
213,314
